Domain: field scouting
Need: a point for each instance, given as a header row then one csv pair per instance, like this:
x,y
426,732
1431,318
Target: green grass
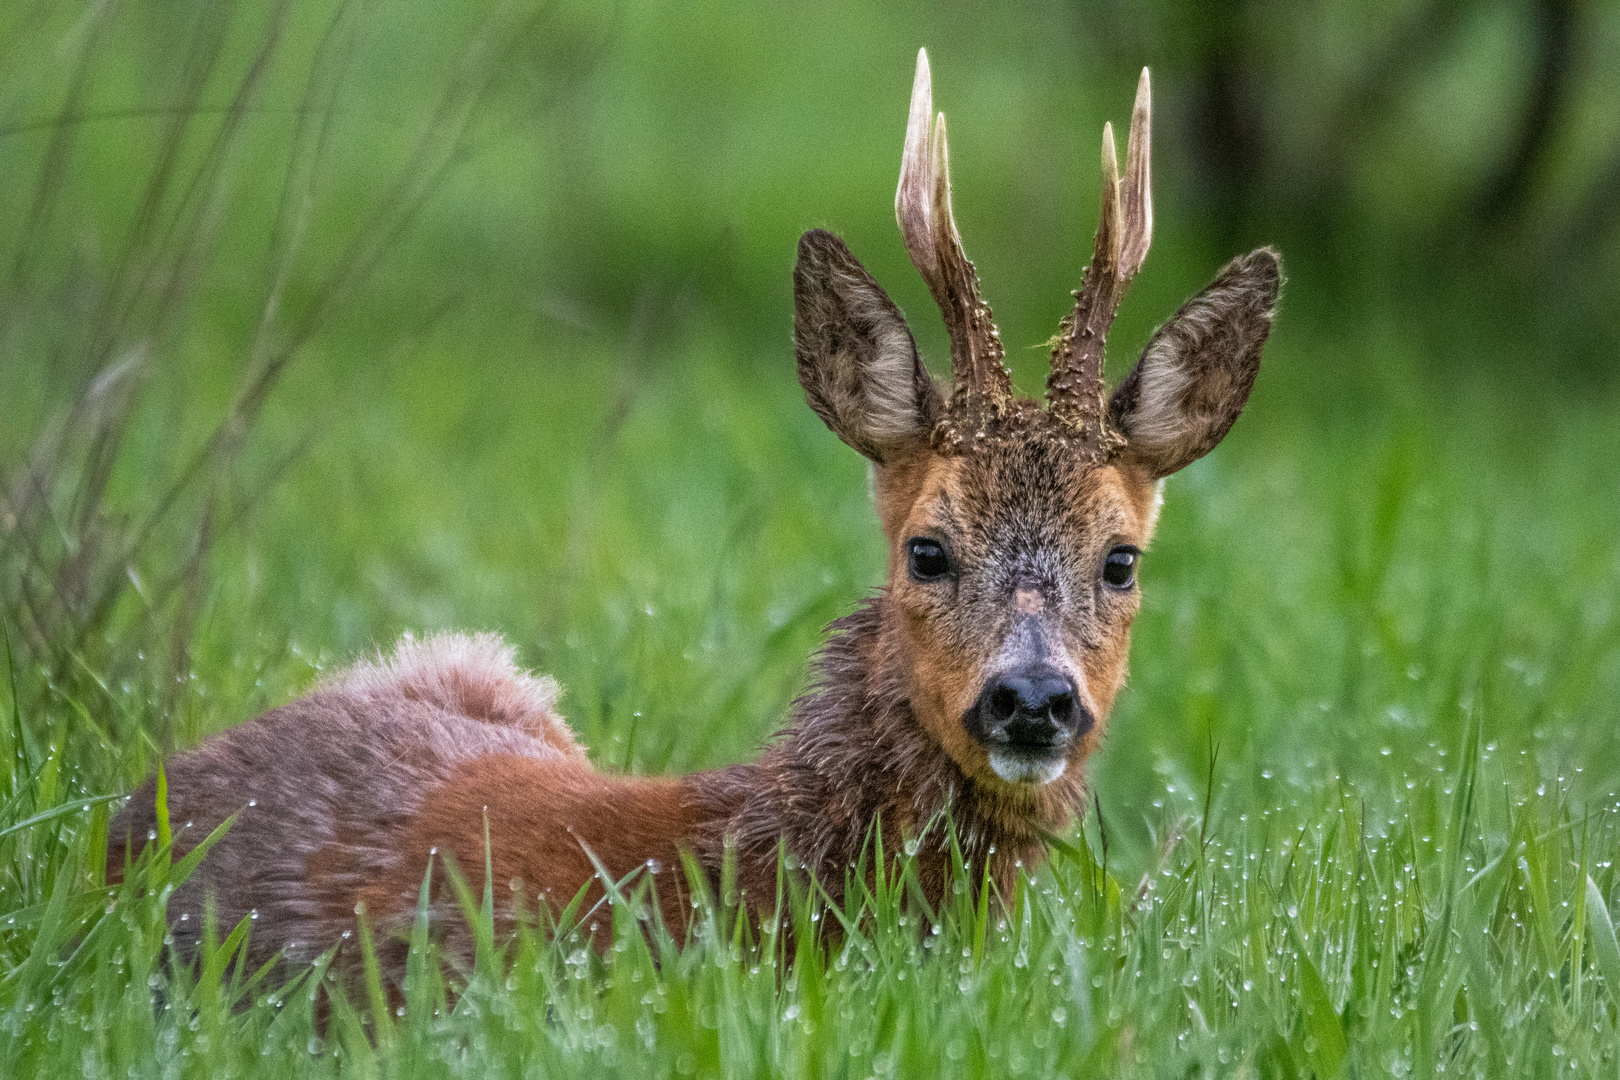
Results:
x,y
1399,647
1357,811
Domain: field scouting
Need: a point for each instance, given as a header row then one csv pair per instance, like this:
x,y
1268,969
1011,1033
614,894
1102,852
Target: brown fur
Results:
x,y
323,786
447,751
545,819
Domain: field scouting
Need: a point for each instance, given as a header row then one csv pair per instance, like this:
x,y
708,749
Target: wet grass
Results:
x,y
1354,814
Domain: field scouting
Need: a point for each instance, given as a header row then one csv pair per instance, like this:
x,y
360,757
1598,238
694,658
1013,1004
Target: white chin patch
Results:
x,y
1023,770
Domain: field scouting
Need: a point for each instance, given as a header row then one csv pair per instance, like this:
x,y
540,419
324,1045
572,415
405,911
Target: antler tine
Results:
x,y
913,199
1124,231
922,206
1136,195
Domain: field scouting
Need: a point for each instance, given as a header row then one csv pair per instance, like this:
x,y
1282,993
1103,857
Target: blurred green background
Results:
x,y
323,322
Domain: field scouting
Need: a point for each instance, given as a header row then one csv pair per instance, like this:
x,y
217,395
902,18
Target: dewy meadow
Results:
x,y
321,325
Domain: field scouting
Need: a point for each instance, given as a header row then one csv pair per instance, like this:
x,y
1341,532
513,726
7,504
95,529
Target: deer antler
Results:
x,y
922,206
1075,386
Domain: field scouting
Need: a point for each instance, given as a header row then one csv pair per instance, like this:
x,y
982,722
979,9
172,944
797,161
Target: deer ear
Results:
x,y
1195,375
857,362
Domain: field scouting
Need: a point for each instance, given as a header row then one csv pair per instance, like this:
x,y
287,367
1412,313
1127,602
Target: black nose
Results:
x,y
1034,709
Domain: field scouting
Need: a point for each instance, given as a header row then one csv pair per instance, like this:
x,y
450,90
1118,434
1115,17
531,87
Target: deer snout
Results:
x,y
1027,717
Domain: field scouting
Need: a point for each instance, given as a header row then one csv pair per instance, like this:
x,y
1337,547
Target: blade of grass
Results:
x,y
1605,948
77,806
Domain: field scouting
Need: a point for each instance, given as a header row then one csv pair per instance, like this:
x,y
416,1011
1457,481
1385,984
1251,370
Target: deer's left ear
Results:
x,y
857,361
1195,375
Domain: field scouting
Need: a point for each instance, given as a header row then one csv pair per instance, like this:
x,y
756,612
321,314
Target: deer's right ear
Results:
x,y
857,361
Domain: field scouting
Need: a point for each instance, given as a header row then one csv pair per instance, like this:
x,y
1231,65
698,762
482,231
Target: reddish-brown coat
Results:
x,y
540,817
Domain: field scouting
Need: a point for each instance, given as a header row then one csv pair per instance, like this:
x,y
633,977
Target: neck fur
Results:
x,y
854,754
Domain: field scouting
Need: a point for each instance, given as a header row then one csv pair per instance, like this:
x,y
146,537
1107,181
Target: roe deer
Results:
x,y
972,686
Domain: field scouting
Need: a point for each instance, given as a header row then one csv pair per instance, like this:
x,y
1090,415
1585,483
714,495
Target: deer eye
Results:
x,y
1119,568
927,559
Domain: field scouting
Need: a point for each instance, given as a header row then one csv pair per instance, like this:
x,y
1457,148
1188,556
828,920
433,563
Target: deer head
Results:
x,y
1015,530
